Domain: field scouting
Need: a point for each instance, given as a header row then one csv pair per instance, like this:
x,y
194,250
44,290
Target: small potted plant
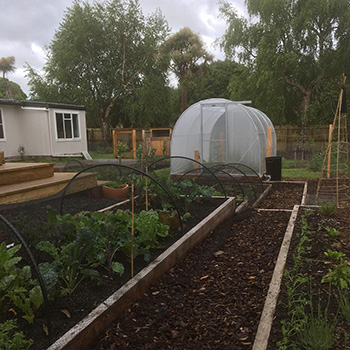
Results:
x,y
115,190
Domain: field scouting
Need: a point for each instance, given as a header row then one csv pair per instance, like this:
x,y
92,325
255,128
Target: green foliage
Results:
x,y
122,149
332,232
339,275
318,333
334,255
328,209
11,339
70,261
17,285
100,55
293,62
148,229
344,303
16,90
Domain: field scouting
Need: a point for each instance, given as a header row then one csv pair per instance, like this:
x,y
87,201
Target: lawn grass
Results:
x,y
298,169
98,155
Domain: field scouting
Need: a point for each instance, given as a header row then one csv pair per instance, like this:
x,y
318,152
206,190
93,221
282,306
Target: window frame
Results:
x,y
2,124
71,113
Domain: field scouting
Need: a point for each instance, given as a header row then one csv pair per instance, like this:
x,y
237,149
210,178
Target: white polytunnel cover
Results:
x,y
220,131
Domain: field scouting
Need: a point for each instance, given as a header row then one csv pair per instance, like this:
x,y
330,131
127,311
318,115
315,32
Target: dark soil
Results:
x,y
212,300
30,219
283,196
316,265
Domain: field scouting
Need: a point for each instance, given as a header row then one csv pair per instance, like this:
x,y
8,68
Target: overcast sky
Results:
x,y
27,26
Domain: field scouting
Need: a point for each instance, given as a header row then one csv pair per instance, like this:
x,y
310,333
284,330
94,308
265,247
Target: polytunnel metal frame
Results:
x,y
118,166
257,175
219,167
194,161
22,241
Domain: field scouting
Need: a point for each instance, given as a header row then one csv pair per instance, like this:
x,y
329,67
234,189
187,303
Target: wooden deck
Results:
x,y
14,173
37,180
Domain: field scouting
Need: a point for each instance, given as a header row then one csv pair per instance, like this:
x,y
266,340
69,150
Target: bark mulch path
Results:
x,y
214,298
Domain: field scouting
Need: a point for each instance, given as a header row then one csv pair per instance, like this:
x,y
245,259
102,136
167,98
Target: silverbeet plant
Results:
x,y
69,263
17,284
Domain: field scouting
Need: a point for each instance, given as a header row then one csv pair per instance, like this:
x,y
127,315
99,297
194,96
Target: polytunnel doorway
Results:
x,y
213,134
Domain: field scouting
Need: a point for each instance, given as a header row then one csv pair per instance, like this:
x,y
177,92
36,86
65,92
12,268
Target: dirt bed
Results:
x,y
314,264
214,298
283,196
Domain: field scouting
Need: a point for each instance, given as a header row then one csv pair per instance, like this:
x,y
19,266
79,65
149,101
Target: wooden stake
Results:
x,y
268,141
146,188
134,143
132,230
196,157
329,149
114,143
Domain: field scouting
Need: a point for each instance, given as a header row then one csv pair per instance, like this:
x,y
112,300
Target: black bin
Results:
x,y
274,167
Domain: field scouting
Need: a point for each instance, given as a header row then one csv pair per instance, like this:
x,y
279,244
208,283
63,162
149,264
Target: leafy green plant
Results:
x,y
11,339
334,255
70,262
114,184
17,284
339,276
332,232
328,209
148,229
122,148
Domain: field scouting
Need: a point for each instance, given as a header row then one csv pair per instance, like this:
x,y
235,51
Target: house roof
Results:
x,y
41,104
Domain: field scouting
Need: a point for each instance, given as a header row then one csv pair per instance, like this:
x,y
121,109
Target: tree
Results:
x,y
187,59
16,91
99,55
7,66
291,48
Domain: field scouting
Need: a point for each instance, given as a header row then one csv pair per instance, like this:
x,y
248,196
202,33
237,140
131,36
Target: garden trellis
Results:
x,y
220,131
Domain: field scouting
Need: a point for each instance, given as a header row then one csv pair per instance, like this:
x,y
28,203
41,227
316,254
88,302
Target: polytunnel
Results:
x,y
220,131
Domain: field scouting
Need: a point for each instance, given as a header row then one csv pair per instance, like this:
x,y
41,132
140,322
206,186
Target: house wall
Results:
x,y
35,129
12,135
61,147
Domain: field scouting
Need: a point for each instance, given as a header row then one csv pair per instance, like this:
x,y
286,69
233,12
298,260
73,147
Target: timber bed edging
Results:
x,y
85,332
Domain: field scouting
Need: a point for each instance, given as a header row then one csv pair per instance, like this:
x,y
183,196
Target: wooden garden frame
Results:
x,y
115,139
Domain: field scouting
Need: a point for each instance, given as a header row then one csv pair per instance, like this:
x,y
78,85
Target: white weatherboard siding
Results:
x,y
34,132
35,129
62,146
10,119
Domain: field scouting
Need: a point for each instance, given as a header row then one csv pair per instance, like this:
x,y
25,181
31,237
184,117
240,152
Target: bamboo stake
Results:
x,y
146,188
132,229
329,149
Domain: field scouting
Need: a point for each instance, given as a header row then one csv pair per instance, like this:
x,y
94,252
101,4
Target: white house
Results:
x,y
43,129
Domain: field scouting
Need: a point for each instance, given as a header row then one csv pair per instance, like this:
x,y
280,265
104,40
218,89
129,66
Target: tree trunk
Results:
x,y
304,107
105,125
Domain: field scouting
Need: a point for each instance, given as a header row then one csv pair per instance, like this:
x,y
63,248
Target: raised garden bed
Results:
x,y
220,296
67,311
308,313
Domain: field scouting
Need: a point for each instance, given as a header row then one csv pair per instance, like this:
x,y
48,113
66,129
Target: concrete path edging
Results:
x,y
265,324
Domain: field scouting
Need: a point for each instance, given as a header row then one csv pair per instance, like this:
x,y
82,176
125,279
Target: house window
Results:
x,y
2,131
67,126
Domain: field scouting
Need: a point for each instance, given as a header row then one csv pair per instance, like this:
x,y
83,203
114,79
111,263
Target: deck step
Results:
x,y
35,189
14,173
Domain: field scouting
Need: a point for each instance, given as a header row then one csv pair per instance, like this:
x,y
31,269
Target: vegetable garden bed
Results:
x,y
212,300
68,310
